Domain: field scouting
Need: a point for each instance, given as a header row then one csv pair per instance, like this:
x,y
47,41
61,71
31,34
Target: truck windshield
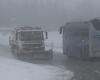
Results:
x,y
31,35
96,24
82,34
79,33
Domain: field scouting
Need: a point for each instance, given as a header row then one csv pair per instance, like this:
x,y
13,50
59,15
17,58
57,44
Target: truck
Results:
x,y
81,39
27,40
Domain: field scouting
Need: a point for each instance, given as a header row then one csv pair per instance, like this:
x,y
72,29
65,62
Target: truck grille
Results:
x,y
34,49
31,45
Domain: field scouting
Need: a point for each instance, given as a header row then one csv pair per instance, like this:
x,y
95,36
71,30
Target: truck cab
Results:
x,y
29,40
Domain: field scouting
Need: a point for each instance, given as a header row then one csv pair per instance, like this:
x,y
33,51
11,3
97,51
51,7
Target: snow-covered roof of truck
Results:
x,y
72,26
29,28
83,25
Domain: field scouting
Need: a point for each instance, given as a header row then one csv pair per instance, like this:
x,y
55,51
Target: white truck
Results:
x,y
29,41
81,39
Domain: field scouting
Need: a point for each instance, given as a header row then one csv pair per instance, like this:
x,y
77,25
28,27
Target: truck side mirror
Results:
x,y
9,40
46,35
16,36
61,29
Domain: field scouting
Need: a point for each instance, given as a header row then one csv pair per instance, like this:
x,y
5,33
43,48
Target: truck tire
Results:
x,y
12,50
15,50
9,42
50,55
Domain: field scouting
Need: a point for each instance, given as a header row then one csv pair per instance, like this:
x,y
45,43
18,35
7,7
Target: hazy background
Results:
x,y
48,13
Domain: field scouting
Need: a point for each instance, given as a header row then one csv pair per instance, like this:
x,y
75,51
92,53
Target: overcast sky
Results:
x,y
47,12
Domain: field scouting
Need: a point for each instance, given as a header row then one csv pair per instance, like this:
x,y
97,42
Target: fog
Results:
x,y
48,13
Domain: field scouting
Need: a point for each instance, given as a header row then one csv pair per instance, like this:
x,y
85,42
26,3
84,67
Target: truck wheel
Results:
x,y
50,55
15,51
12,50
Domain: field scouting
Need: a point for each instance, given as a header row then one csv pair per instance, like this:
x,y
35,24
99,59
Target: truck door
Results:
x,y
96,44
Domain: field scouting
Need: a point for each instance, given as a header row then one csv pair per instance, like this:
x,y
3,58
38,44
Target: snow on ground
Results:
x,y
16,70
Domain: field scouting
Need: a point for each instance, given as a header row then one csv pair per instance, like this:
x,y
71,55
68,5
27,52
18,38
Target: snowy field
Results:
x,y
16,70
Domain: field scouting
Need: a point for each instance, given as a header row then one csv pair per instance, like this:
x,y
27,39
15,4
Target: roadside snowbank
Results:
x,y
16,70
